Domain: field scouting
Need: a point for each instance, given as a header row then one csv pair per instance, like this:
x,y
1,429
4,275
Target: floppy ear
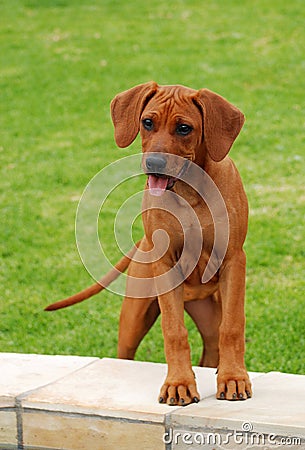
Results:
x,y
126,109
222,122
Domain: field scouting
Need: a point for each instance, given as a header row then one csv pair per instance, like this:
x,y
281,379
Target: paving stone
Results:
x,y
74,403
22,373
70,432
276,410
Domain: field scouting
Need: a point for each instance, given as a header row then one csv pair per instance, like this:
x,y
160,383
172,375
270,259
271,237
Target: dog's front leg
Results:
x,y
179,387
233,381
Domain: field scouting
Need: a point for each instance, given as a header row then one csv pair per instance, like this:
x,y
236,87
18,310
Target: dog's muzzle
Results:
x,y
158,178
155,164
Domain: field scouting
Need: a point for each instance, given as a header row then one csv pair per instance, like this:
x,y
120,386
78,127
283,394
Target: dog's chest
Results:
x,y
186,225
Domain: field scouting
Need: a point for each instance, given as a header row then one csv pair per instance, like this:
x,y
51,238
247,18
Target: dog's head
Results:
x,y
175,120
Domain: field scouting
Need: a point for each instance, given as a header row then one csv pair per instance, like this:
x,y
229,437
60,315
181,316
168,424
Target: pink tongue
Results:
x,y
156,185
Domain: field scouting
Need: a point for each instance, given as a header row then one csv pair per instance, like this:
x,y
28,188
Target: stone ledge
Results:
x,y
74,403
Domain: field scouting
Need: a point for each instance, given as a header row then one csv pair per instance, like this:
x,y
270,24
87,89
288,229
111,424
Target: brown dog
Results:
x,y
200,128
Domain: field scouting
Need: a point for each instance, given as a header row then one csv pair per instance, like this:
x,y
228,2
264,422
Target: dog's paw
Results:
x,y
179,393
230,387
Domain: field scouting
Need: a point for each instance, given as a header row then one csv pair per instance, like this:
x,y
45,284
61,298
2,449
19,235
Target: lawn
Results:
x,y
62,61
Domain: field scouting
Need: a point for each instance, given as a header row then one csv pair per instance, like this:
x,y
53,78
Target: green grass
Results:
x,y
62,61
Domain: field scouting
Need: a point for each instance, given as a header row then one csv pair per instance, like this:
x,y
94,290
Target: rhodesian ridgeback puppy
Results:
x,y
182,129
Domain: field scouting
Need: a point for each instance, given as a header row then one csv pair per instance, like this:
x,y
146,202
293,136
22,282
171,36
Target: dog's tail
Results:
x,y
112,275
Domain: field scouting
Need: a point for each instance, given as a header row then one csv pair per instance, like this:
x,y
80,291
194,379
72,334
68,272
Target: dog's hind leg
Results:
x,y
138,314
137,317
207,316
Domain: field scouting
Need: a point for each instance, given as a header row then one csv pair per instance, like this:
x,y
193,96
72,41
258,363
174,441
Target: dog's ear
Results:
x,y
126,110
222,122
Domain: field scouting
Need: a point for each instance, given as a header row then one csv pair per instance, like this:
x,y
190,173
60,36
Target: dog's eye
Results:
x,y
148,124
183,129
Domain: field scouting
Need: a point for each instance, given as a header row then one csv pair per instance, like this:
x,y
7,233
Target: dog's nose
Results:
x,y
155,163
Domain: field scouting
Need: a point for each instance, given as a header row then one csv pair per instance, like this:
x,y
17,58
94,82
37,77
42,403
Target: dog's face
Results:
x,y
170,125
177,121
